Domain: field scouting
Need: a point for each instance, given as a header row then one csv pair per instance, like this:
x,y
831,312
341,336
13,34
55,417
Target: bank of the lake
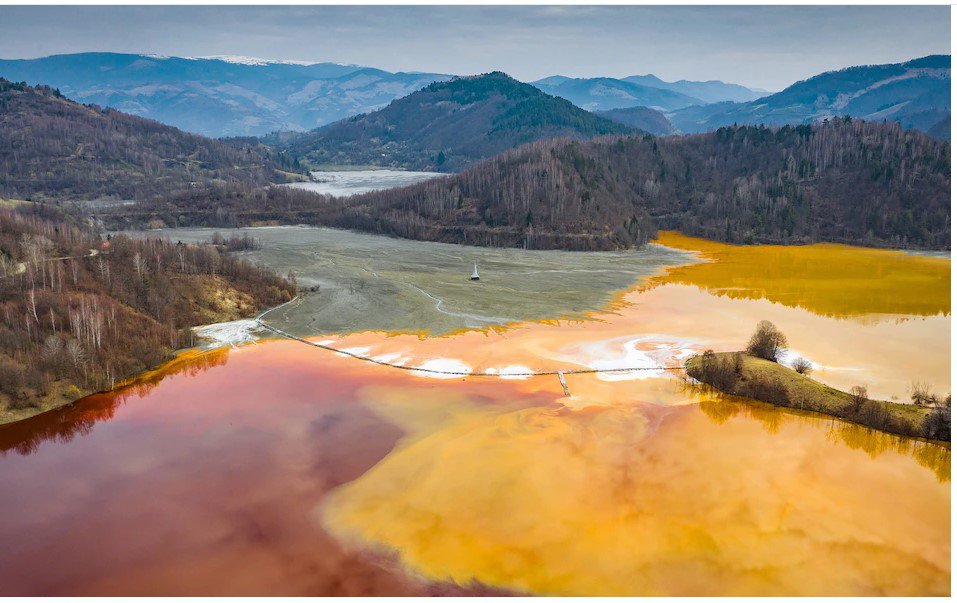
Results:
x,y
80,313
740,374
63,392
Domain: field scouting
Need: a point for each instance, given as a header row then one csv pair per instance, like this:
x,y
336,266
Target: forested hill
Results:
x,y
449,125
915,94
54,147
78,314
842,181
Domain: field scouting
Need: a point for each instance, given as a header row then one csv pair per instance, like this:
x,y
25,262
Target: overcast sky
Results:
x,y
765,47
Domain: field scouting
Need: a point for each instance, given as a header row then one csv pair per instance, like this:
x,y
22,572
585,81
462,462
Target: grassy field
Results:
x,y
739,374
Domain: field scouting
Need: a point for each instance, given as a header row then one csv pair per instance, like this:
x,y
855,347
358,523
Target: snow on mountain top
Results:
x,y
244,60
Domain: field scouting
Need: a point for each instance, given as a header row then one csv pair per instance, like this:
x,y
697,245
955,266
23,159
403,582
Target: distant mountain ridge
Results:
x,y
224,96
54,147
643,118
915,94
449,125
605,93
248,96
711,91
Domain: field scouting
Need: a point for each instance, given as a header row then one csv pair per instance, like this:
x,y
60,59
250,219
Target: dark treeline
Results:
x,y
227,207
841,181
77,313
544,195
236,206
54,147
844,181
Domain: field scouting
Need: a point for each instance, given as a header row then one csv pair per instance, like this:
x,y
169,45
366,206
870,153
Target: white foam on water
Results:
x,y
393,358
631,357
788,357
649,355
354,351
448,365
515,371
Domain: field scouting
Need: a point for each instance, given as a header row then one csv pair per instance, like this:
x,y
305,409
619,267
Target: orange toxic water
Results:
x,y
282,468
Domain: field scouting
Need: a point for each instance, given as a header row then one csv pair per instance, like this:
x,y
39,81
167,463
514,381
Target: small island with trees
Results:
x,y
756,373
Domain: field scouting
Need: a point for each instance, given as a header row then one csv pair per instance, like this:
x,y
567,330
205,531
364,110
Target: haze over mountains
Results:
x,y
228,96
246,96
914,93
450,125
712,91
584,182
604,93
645,119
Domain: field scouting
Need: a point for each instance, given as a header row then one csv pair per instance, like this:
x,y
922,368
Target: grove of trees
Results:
x,y
78,313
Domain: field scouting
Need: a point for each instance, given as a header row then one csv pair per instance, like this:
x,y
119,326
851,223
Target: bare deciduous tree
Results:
x,y
766,342
75,351
858,397
803,366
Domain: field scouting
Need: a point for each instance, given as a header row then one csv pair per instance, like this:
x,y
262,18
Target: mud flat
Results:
x,y
368,282
344,183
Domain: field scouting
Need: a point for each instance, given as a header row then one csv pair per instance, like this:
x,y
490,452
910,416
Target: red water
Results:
x,y
204,483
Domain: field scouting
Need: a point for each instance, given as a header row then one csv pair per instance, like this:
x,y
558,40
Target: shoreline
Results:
x,y
181,355
760,380
613,302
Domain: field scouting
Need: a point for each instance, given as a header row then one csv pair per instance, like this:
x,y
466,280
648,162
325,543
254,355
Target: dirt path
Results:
x,y
22,266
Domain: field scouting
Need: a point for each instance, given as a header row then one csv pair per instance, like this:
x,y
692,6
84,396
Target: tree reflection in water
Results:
x,y
65,423
721,408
